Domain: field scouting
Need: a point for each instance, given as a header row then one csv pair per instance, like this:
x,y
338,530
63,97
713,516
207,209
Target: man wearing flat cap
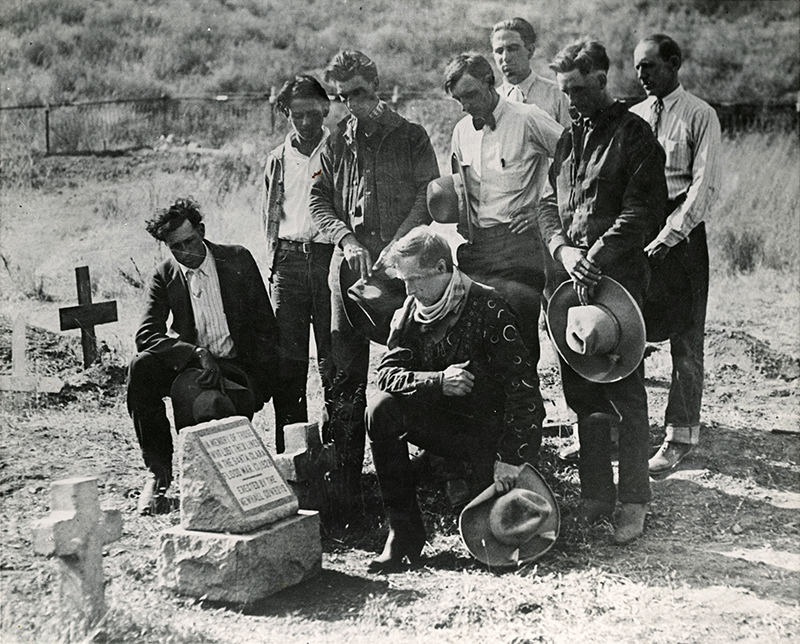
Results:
x,y
222,327
606,193
370,191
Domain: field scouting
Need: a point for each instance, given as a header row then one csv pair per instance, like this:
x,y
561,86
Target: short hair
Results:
x,y
667,47
521,26
165,220
349,63
467,63
586,56
426,245
301,86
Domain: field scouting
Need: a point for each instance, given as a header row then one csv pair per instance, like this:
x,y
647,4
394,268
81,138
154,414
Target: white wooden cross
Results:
x,y
20,379
75,532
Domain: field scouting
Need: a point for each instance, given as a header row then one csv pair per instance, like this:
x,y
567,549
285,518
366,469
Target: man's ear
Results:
x,y
675,62
602,79
531,49
441,266
375,83
201,228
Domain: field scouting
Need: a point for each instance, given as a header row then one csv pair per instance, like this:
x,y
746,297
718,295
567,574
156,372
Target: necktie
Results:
x,y
478,122
193,278
655,115
515,94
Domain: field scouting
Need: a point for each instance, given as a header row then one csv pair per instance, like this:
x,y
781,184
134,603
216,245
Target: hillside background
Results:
x,y
53,51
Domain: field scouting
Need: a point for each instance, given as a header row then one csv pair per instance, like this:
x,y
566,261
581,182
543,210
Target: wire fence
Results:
x,y
116,125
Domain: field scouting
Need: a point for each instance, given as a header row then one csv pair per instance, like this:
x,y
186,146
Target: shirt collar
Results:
x,y
204,268
673,96
290,137
524,86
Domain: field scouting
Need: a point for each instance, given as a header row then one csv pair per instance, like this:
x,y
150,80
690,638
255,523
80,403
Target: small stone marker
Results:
x,y
241,536
305,464
86,315
20,379
75,532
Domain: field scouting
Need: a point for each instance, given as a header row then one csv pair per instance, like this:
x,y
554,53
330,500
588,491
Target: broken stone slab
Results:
x,y
228,480
241,568
305,457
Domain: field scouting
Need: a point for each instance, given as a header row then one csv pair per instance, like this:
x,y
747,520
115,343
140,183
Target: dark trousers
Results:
x,y
514,266
686,390
301,298
350,352
625,401
149,382
394,421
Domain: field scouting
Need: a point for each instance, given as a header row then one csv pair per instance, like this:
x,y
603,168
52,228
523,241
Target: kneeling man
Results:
x,y
222,324
457,380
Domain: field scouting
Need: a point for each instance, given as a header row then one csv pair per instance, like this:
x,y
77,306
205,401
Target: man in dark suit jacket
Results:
x,y
222,323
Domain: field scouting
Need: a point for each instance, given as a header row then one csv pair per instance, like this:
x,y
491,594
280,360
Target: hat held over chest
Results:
x,y
512,528
603,341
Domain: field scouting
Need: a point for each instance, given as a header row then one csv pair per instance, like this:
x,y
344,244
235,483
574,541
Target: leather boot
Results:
x,y
406,530
630,523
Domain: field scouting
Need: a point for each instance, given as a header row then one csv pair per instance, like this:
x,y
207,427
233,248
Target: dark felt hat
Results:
x,y
446,199
192,404
370,305
669,301
512,528
603,341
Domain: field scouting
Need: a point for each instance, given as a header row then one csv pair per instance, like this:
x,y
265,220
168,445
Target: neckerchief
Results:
x,y
452,299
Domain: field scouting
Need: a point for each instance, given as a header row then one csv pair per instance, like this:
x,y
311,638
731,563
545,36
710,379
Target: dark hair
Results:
x,y
468,63
165,220
301,86
348,63
521,26
424,244
667,47
584,55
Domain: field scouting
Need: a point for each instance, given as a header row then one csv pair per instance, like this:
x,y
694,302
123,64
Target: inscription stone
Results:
x,y
228,480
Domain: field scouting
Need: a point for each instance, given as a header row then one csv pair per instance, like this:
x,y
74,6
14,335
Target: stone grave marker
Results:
x,y
20,379
242,536
305,464
86,315
75,532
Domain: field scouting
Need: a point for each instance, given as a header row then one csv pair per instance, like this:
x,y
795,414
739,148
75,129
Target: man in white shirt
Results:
x,y
299,255
688,130
513,45
503,149
206,308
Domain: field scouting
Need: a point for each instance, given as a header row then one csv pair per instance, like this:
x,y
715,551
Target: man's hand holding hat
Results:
x,y
584,272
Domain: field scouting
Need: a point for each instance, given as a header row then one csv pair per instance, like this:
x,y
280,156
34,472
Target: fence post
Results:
x,y
47,131
164,106
272,98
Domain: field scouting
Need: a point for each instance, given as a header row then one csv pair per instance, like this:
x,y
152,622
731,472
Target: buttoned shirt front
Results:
x,y
689,132
506,167
209,315
299,172
539,91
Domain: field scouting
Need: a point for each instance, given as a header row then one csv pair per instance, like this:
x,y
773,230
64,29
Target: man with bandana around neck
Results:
x,y
371,191
457,381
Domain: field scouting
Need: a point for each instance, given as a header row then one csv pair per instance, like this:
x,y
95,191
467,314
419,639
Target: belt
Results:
x,y
299,247
499,230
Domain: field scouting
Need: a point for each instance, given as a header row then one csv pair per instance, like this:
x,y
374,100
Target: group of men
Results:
x,y
559,182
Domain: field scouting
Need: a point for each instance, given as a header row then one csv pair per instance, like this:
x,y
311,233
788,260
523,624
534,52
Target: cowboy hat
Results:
x,y
603,341
193,404
512,528
670,298
446,199
369,305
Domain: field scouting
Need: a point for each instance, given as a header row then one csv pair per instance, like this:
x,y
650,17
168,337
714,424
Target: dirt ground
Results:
x,y
719,561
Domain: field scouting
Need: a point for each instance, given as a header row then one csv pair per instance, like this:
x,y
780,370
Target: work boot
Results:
x,y
404,543
153,498
630,523
668,456
590,511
